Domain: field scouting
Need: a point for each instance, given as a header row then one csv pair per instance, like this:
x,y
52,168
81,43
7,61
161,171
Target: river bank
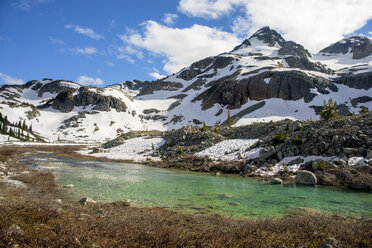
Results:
x,y
32,215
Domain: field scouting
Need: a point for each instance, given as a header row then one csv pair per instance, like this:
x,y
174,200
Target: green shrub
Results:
x,y
217,127
329,110
179,150
285,168
279,138
363,110
296,140
205,127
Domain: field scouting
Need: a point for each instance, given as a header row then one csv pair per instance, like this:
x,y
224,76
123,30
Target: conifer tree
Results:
x,y
228,118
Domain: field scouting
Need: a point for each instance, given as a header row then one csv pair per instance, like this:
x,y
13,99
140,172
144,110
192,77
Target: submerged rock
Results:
x,y
306,177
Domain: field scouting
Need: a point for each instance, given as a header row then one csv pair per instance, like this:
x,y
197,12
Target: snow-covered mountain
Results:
x,y
265,78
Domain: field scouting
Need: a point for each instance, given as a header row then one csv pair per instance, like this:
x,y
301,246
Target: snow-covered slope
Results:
x,y
265,78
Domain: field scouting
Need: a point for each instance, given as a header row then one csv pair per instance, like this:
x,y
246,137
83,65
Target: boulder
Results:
x,y
349,151
296,161
369,154
306,177
68,186
330,243
86,200
267,152
276,181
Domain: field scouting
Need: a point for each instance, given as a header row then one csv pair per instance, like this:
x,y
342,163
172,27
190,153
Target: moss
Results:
x,y
296,140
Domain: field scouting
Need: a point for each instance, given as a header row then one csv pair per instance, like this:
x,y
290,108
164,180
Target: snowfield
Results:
x,y
136,150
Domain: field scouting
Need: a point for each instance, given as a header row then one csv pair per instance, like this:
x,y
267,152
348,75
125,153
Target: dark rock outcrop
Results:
x,y
287,85
159,85
359,46
358,81
66,101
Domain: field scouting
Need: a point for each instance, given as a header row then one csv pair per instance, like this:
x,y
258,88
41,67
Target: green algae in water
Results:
x,y
196,192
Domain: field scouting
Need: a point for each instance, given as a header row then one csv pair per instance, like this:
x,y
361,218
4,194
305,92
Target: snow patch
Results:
x,y
137,149
233,149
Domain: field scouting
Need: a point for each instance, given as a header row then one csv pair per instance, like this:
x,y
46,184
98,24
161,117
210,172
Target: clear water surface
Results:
x,y
195,192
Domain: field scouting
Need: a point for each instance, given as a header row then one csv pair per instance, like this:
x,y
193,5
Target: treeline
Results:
x,y
19,130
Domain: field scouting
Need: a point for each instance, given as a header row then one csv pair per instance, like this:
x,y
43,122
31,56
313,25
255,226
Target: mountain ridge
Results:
x,y
279,76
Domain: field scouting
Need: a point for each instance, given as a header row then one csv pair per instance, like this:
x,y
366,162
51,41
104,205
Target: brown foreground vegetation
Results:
x,y
31,217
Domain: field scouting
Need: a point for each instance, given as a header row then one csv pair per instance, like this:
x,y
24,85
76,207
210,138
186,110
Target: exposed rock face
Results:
x,y
359,81
159,85
204,65
66,101
359,46
52,87
306,177
287,85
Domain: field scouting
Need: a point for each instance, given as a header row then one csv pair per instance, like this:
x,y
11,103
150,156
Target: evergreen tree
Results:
x,y
329,110
24,126
229,124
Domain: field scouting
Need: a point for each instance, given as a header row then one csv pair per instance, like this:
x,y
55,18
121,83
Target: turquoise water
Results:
x,y
195,192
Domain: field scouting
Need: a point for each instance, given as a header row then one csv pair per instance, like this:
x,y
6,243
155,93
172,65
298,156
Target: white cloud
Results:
x,y
110,64
85,80
315,23
57,41
181,47
370,33
169,18
87,50
85,31
27,5
156,75
6,79
121,53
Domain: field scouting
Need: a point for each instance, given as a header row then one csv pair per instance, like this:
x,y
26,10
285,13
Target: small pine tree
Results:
x,y
363,110
217,127
329,110
24,126
229,124
205,127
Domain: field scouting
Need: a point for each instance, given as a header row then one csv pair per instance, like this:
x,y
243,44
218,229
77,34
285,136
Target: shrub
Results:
x,y
205,127
363,110
179,150
217,127
285,168
329,110
296,140
279,138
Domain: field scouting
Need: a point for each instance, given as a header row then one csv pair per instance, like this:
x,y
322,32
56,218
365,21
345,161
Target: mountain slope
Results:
x,y
265,78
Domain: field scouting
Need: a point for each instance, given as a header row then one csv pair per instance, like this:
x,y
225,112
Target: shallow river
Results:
x,y
195,192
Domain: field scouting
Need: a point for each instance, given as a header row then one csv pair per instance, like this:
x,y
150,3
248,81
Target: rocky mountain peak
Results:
x,y
359,46
268,36
273,39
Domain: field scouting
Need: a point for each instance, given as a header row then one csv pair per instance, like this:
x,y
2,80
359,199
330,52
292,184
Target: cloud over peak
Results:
x,y
180,46
315,23
85,80
6,79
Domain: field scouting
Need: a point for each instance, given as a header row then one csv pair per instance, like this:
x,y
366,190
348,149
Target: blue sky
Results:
x,y
106,42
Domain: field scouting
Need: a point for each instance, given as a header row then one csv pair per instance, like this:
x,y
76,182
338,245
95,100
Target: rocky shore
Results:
x,y
41,213
334,152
